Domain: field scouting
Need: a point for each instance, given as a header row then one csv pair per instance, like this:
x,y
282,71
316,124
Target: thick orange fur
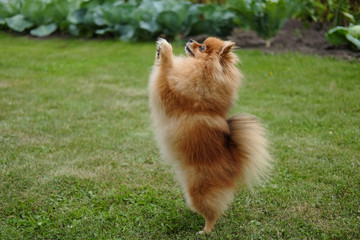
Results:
x,y
189,99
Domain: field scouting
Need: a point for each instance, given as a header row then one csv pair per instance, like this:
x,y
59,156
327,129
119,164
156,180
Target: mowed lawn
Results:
x,y
78,159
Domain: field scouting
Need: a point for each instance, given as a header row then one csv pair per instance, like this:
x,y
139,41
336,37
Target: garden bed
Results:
x,y
294,36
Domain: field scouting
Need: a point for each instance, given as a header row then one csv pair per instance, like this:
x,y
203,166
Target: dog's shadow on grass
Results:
x,y
186,223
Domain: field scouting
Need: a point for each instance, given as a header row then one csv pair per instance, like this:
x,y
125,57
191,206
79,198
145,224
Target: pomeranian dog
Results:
x,y
190,97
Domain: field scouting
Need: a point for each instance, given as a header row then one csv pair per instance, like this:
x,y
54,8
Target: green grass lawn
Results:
x,y
78,159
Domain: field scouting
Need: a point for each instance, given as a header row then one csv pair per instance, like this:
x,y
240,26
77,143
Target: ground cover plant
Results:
x,y
263,16
343,35
78,159
127,20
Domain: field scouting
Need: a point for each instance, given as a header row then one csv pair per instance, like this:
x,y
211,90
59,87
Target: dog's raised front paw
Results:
x,y
162,47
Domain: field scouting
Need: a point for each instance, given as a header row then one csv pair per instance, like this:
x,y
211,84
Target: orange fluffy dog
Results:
x,y
189,99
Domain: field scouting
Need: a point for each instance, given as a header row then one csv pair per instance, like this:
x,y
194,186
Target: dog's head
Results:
x,y
210,48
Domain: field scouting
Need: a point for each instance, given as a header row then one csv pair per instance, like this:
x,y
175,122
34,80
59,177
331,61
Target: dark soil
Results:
x,y
294,36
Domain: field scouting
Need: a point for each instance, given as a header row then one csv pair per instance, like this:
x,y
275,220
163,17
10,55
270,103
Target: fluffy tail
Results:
x,y
249,137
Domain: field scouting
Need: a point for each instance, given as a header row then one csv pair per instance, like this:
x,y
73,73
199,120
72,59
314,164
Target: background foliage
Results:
x,y
128,20
336,12
134,20
263,16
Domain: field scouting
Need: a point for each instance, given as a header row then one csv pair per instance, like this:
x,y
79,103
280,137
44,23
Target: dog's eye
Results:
x,y
202,48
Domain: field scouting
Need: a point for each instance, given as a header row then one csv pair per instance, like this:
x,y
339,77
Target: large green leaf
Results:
x,y
207,11
180,7
117,13
74,30
209,19
104,31
77,16
112,14
2,21
193,16
18,23
343,35
202,26
353,40
151,26
57,10
146,11
34,11
44,30
127,32
9,8
168,19
337,35
354,30
169,23
98,17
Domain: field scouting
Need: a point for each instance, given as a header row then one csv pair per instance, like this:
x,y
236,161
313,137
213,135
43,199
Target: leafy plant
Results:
x,y
9,8
337,12
44,30
265,17
129,20
150,19
212,19
145,20
344,35
18,23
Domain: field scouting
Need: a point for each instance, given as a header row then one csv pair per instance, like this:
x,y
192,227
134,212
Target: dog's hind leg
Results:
x,y
210,202
209,225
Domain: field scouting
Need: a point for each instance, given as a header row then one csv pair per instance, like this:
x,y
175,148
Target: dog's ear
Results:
x,y
228,46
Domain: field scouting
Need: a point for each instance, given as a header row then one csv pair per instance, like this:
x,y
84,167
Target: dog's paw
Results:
x,y
162,47
203,232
